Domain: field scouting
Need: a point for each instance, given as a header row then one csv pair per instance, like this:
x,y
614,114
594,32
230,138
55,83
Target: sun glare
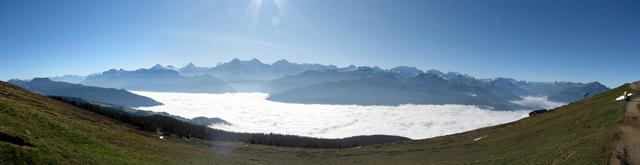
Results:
x,y
253,11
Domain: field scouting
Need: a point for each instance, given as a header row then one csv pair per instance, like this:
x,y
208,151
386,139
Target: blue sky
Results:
x,y
542,40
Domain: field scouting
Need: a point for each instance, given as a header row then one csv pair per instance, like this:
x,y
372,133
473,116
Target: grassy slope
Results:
x,y
67,135
579,133
574,134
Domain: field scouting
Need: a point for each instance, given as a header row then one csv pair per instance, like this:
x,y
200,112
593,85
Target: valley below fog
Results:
x,y
253,113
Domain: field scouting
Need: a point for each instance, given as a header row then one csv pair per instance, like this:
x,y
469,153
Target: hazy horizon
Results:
x,y
180,66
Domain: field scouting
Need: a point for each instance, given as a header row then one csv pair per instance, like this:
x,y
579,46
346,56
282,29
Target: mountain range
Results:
x,y
248,75
407,85
328,84
157,78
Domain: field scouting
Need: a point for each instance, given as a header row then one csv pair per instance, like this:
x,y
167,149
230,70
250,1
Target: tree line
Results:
x,y
170,126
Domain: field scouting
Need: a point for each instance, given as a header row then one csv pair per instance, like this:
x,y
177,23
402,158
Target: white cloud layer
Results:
x,y
251,112
539,102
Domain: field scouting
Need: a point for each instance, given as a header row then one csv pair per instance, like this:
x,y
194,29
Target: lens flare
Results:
x,y
253,12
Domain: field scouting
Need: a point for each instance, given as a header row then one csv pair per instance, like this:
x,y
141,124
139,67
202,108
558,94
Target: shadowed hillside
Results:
x,y
119,97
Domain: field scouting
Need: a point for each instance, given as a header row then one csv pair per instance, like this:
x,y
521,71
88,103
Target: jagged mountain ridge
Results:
x,y
158,78
282,75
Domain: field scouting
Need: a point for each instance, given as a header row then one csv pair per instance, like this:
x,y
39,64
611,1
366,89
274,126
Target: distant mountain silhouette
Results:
x,y
406,71
119,97
374,90
192,70
316,83
158,78
576,92
375,86
387,89
75,79
249,75
315,77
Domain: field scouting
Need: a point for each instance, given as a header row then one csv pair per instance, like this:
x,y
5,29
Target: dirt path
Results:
x,y
627,144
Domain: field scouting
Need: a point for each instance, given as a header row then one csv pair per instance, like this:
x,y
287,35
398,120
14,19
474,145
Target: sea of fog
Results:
x,y
252,112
